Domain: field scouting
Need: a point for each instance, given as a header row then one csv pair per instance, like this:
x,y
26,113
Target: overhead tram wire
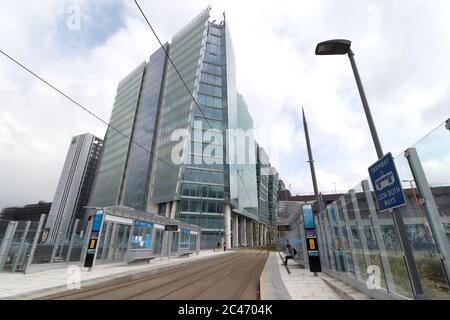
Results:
x,y
184,83
83,107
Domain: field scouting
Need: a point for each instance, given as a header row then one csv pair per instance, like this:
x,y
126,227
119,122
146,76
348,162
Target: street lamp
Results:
x,y
342,46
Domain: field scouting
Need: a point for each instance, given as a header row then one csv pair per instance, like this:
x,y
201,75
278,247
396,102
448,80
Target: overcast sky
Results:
x,y
401,48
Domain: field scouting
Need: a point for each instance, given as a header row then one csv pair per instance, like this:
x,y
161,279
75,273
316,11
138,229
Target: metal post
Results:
x,y
35,241
7,241
373,130
431,209
124,243
55,247
18,257
400,225
106,245
72,238
130,236
311,161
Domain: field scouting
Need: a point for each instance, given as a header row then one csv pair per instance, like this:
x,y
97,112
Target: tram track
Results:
x,y
129,286
231,276
213,281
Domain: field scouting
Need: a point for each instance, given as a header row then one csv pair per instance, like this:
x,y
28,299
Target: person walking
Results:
x,y
225,246
218,246
291,253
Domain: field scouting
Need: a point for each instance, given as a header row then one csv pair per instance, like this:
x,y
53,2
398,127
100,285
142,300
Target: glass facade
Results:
x,y
262,178
356,236
273,196
140,160
110,172
203,186
185,51
245,162
155,108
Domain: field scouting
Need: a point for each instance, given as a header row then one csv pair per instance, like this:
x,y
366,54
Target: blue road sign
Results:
x,y
386,184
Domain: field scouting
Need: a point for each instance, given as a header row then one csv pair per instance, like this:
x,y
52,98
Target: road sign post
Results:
x,y
389,196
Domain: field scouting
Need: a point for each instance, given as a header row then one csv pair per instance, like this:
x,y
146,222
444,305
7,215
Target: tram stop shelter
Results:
x,y
128,235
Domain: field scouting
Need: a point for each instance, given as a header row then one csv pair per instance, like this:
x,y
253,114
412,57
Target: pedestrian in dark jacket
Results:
x,y
289,254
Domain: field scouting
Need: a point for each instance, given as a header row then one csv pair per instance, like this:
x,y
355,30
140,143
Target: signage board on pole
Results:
x,y
93,240
386,184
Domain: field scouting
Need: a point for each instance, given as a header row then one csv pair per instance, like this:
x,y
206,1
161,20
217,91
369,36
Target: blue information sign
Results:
x,y
308,218
386,184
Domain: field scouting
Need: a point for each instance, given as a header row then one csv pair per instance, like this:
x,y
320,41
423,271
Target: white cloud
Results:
x,y
400,48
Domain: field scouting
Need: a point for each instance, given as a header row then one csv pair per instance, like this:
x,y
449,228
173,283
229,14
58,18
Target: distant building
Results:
x,y
281,185
29,212
273,196
74,185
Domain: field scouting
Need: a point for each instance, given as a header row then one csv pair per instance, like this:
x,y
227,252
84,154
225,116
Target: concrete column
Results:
x,y
266,233
250,233
227,222
236,231
168,207
258,235
261,234
173,209
262,227
243,234
255,230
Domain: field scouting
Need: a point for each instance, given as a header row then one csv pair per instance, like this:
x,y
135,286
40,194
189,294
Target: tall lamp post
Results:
x,y
339,47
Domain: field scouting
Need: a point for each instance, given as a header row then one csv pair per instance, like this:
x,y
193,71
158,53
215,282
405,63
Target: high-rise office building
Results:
x,y
123,175
273,196
74,186
198,174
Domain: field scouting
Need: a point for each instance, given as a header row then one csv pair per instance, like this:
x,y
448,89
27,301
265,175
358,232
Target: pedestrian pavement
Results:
x,y
52,282
300,284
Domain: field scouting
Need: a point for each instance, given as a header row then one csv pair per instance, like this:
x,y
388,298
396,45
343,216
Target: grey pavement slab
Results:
x,y
45,283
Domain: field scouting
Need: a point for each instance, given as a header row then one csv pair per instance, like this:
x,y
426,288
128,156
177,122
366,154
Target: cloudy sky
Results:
x,y
401,48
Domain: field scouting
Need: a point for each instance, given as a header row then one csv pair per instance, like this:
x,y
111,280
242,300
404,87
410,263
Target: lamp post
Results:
x,y
339,47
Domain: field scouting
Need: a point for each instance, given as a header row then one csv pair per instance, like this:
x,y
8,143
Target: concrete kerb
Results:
x,y
91,284
341,293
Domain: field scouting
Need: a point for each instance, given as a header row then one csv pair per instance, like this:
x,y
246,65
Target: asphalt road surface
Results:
x,y
226,277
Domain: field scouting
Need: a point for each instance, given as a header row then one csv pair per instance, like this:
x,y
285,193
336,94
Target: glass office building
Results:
x,y
186,122
123,175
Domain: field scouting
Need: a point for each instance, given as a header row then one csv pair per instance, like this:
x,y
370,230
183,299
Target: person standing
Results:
x,y
218,246
225,246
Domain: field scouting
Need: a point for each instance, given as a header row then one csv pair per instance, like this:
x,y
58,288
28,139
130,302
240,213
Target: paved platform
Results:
x,y
52,282
300,284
